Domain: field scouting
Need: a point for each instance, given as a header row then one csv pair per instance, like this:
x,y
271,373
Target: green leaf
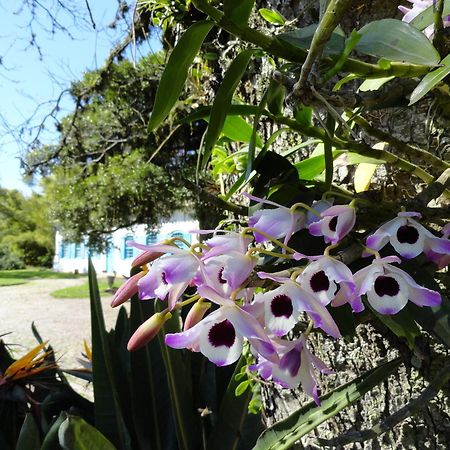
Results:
x,y
238,11
237,129
151,409
233,412
430,80
76,434
108,414
434,320
176,70
222,101
285,433
51,440
311,167
203,112
395,40
29,435
426,17
302,38
272,16
241,388
179,381
401,324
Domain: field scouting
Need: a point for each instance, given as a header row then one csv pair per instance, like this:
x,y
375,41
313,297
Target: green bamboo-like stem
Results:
x,y
400,145
329,21
361,148
275,47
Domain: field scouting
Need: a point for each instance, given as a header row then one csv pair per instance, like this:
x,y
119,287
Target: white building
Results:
x,y
71,257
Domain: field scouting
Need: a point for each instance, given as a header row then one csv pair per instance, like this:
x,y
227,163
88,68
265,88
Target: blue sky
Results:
x,y
28,79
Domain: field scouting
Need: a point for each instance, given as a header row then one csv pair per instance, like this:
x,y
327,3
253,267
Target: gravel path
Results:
x,y
63,322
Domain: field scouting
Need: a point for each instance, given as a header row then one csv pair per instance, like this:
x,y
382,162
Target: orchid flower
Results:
x,y
283,305
335,223
318,206
225,274
389,288
408,237
441,260
219,336
296,367
169,276
278,222
224,243
323,277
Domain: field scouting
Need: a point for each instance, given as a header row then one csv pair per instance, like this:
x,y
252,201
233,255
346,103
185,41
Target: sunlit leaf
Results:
x,y
222,101
75,433
363,175
430,80
175,73
272,16
395,40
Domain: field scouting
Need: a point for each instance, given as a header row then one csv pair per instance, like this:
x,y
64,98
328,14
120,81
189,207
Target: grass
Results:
x,y
12,277
81,291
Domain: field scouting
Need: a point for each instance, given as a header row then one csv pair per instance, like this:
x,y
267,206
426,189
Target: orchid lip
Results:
x,y
281,305
319,282
407,234
222,334
385,285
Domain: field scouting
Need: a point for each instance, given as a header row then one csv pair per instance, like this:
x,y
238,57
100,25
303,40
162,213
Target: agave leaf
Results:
x,y
285,433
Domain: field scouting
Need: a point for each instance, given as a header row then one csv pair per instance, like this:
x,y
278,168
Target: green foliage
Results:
x,y
26,233
285,433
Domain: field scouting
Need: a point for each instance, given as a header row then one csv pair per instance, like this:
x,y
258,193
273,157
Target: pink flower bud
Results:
x,y
148,330
196,314
127,290
145,257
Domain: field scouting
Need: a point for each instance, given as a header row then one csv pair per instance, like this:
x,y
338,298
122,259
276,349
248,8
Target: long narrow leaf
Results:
x,y
233,412
222,101
238,11
285,433
430,80
108,415
29,435
175,73
179,380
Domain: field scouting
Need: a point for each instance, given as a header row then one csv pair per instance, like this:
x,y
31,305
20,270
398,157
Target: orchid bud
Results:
x,y
196,314
127,290
148,330
145,257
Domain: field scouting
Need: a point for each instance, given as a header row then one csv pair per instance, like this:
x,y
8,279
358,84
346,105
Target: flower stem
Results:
x,y
304,206
268,236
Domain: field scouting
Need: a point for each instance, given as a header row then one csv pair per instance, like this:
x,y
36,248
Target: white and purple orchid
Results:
x,y
324,276
335,223
296,366
388,288
440,259
283,305
279,222
408,237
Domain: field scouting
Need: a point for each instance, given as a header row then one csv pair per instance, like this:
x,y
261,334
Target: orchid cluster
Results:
x,y
418,6
230,305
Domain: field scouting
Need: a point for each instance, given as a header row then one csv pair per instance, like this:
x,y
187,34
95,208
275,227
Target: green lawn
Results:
x,y
11,277
82,291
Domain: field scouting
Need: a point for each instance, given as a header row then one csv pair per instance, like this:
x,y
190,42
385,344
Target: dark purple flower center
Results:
x,y
333,222
386,286
163,278
407,234
222,333
220,277
319,282
281,306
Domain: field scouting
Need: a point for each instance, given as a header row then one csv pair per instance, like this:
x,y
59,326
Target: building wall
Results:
x,y
71,257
